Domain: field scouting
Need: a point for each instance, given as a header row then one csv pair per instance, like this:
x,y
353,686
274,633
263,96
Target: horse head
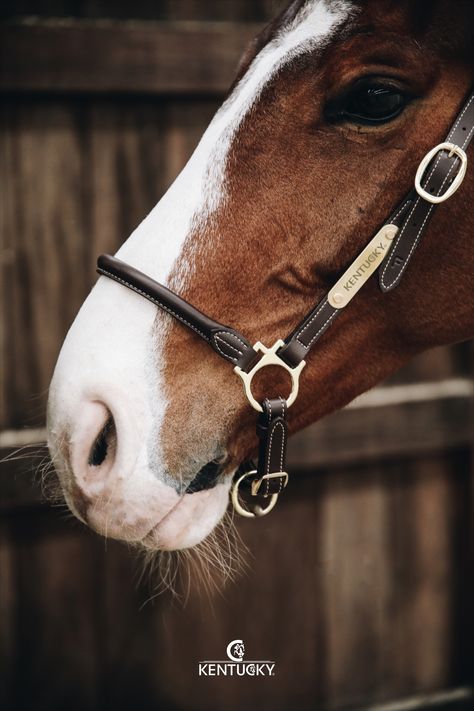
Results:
x,y
334,106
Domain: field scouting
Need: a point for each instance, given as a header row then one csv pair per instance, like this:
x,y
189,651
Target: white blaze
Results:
x,y
109,349
200,189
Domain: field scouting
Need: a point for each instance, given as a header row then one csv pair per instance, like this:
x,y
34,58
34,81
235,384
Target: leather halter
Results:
x,y
439,175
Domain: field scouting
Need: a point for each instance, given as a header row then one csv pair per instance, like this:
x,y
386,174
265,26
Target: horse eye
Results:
x,y
371,104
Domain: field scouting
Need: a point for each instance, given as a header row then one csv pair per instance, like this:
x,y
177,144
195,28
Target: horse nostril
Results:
x,y
104,444
206,478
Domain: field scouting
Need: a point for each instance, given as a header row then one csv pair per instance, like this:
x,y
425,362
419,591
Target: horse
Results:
x,y
334,105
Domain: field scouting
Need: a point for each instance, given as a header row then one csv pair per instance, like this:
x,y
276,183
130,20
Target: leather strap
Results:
x,y
272,432
439,175
298,344
227,342
302,339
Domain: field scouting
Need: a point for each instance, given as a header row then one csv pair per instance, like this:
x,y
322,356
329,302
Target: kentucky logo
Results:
x,y
236,666
236,650
362,267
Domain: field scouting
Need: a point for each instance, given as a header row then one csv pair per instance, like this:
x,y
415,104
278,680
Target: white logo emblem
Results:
x,y
236,650
236,666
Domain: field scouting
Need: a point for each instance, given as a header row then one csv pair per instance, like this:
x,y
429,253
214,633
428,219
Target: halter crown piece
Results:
x,y
439,175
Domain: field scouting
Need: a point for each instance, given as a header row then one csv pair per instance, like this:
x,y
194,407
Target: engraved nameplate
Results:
x,y
362,267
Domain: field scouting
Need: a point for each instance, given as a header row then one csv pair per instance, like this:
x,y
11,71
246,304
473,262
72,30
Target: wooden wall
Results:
x,y
360,586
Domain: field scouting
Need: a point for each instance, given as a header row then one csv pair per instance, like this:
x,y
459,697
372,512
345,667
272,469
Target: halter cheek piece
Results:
x,y
439,175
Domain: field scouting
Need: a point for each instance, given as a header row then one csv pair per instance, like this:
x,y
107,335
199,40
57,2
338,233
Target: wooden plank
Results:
x,y
43,279
389,539
458,699
9,611
135,646
408,428
199,10
131,57
222,10
361,567
353,435
135,151
77,178
276,608
409,393
20,484
362,576
55,659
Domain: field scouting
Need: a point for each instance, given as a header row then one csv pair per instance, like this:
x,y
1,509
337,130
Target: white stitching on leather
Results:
x,y
418,235
454,128
420,231
325,301
282,406
278,424
267,481
399,211
216,338
155,301
430,210
397,240
232,335
223,353
469,136
326,323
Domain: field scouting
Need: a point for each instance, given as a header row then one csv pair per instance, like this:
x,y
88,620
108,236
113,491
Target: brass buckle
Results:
x,y
452,149
258,511
270,357
257,483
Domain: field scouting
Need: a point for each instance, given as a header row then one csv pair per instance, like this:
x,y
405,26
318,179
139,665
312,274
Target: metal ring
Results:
x,y
246,513
270,357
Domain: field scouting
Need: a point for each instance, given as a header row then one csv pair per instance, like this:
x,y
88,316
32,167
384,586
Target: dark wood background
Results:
x,y
360,586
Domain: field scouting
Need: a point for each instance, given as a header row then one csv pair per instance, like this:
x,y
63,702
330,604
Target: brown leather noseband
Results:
x,y
439,175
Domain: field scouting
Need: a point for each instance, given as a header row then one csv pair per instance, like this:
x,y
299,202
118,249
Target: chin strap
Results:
x,y
269,478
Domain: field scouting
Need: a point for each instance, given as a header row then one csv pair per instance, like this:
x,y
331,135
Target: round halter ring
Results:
x,y
258,510
270,357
